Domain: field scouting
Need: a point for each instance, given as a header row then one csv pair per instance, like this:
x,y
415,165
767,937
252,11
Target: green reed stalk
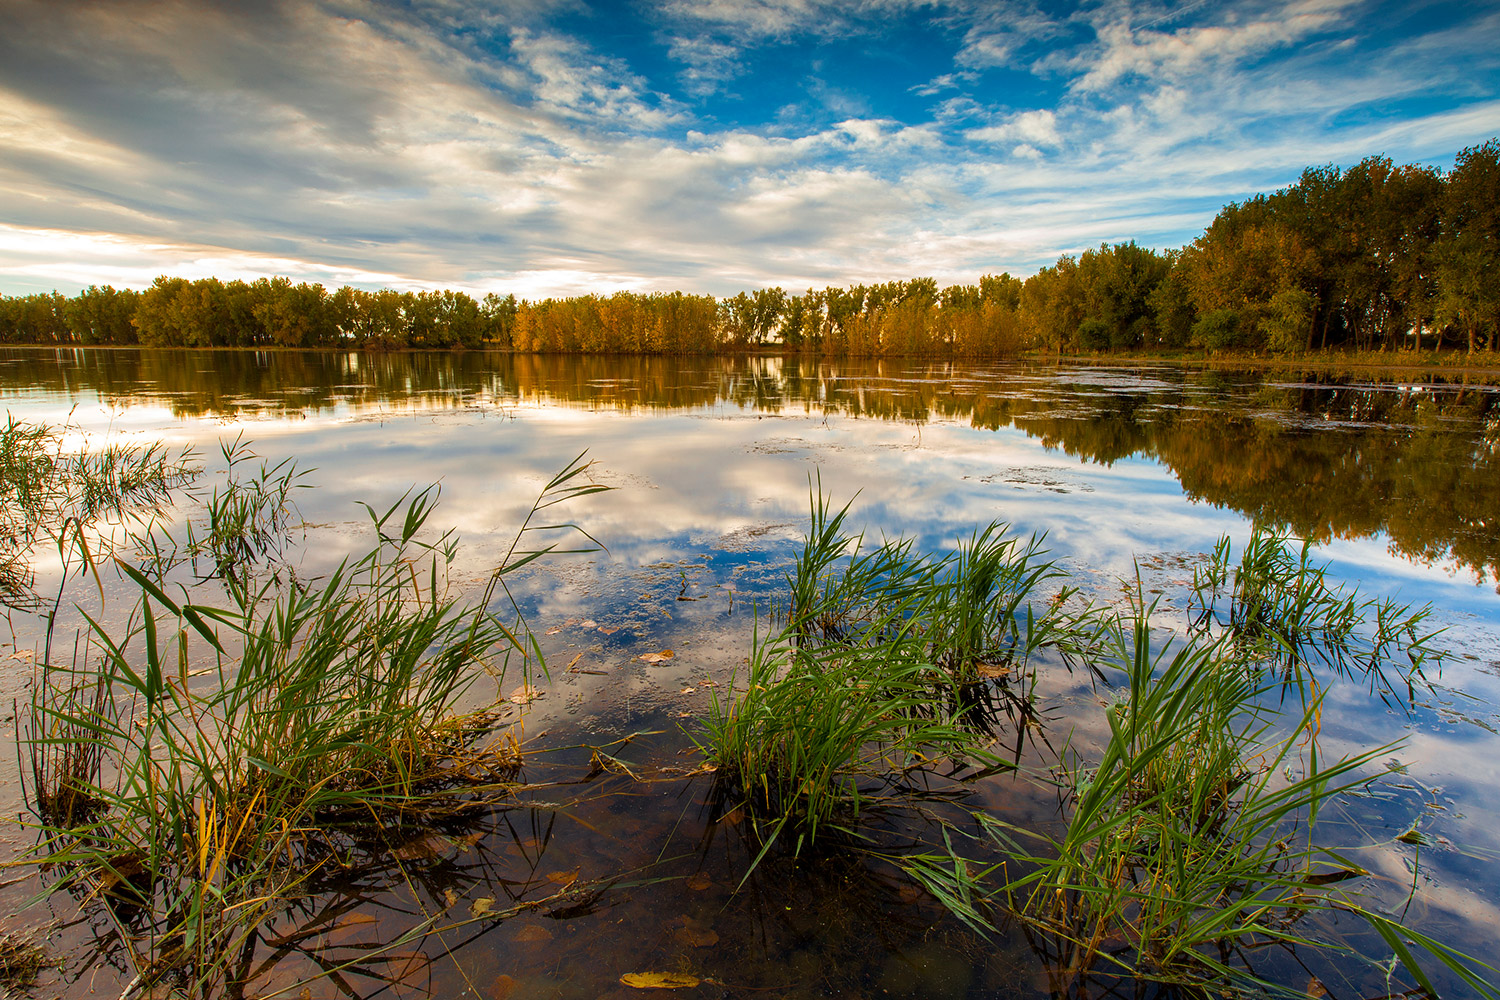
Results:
x,y
331,719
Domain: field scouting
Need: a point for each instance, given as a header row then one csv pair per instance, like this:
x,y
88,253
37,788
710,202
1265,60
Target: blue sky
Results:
x,y
545,148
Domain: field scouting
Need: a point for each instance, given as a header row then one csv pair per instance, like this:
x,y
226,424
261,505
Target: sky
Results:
x,y
559,147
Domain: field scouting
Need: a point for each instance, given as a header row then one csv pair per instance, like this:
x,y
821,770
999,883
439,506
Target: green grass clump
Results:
x,y
1189,837
1186,840
1280,609
866,680
330,721
51,494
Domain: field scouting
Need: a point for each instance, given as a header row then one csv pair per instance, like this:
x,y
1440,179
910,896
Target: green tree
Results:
x,y
1468,250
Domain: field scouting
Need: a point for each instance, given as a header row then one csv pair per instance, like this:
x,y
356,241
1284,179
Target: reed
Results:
x,y
328,721
1189,839
1185,840
50,494
872,672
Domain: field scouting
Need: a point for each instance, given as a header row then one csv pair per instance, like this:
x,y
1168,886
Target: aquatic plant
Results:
x,y
818,732
330,719
870,676
1189,838
1185,840
49,493
1280,608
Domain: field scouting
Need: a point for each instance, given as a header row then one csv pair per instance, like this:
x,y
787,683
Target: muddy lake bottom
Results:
x,y
600,866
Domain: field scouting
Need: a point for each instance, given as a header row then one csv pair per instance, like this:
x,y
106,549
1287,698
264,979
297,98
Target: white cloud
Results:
x,y
1034,128
709,64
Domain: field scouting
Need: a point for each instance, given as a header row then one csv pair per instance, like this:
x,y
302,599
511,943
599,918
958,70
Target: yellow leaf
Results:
x,y
658,980
482,905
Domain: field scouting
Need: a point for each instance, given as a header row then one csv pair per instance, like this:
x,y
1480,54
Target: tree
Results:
x,y
1468,250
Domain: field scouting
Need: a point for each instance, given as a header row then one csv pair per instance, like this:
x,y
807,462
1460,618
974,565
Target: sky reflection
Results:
x,y
712,464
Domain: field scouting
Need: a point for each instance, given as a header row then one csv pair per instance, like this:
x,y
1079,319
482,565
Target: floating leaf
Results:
x,y
699,881
525,695
687,690
563,878
661,657
659,980
554,630
609,629
992,671
482,905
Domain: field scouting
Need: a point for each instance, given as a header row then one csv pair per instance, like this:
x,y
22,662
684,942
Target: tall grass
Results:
x,y
1186,840
330,720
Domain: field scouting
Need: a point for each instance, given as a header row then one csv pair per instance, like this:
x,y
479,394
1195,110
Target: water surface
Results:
x,y
1126,470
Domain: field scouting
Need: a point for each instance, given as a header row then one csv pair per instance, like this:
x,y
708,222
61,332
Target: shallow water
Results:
x,y
1125,470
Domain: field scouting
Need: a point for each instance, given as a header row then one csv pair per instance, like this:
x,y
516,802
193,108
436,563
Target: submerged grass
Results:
x,y
187,803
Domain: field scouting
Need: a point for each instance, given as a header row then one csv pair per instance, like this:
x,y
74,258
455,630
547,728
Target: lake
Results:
x,y
1131,473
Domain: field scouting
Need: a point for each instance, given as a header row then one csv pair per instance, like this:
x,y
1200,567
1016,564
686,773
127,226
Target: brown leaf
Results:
x,y
609,629
502,987
525,695
409,966
696,937
422,848
992,671
482,905
659,980
563,878
533,934
1315,989
661,657
554,630
699,881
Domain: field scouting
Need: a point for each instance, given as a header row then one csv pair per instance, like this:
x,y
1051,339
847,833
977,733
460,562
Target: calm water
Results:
x,y
1398,484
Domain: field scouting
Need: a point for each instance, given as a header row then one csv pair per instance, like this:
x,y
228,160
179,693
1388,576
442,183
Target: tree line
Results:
x,y
1372,256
